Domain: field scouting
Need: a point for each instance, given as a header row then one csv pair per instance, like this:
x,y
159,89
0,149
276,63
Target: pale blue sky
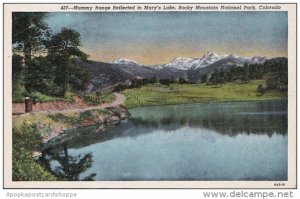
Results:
x,y
159,37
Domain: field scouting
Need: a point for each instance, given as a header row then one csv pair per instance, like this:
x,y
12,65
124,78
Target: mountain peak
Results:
x,y
124,61
209,58
211,54
193,63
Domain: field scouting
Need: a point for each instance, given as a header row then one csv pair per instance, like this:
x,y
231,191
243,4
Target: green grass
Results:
x,y
157,94
39,97
108,98
93,99
20,95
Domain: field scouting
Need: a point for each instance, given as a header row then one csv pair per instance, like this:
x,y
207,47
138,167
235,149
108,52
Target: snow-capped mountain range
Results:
x,y
125,62
105,76
209,58
183,63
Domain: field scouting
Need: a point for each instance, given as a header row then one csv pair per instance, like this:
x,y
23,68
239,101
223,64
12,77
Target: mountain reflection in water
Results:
x,y
225,119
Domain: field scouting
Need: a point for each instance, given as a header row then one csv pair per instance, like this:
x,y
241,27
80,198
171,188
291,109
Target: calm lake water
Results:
x,y
215,141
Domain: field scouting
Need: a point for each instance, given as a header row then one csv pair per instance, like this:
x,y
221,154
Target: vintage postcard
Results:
x,y
150,95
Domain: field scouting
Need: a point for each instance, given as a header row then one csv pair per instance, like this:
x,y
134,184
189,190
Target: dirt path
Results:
x,y
120,100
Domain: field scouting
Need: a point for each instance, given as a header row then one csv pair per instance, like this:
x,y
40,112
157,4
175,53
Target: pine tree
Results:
x,y
29,32
63,53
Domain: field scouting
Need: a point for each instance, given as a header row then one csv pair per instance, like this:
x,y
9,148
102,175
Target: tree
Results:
x,y
245,73
222,77
203,78
277,74
277,81
29,32
40,76
69,167
214,77
16,67
260,89
182,81
63,53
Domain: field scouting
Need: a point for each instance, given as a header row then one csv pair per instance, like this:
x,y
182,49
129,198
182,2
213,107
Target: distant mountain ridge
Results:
x,y
183,63
193,63
105,76
125,61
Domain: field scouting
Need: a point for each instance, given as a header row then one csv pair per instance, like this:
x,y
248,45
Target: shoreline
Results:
x,y
78,103
105,125
157,94
207,102
51,125
99,116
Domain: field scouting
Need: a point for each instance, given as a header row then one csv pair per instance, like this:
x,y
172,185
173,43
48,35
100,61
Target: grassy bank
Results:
x,y
31,130
71,101
93,99
27,138
157,94
19,94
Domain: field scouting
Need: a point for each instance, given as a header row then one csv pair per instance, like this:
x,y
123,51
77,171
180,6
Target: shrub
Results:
x,y
24,168
260,89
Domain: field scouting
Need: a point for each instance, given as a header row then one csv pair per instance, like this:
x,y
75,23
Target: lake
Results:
x,y
209,141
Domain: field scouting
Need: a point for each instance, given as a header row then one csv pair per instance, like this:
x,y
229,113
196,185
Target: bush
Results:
x,y
260,89
18,92
24,168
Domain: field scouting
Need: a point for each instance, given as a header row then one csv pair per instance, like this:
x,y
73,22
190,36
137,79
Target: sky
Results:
x,y
159,37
